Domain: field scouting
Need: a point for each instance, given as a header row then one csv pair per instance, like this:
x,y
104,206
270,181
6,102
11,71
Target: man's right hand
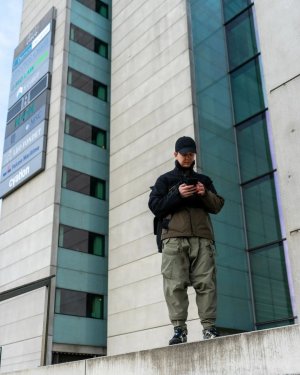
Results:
x,y
187,190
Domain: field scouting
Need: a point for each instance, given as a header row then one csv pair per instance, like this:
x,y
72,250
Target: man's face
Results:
x,y
185,159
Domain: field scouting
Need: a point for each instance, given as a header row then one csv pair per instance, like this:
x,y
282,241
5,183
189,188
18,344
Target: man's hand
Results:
x,y
187,190
200,189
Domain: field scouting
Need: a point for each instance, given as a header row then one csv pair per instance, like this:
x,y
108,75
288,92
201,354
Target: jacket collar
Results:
x,y
181,170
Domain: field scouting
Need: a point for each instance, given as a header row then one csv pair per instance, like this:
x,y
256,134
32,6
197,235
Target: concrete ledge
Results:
x,y
273,351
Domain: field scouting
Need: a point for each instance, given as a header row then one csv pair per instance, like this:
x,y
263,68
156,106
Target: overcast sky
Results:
x,y
10,18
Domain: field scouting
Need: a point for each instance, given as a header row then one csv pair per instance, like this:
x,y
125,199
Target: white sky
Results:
x,y
10,18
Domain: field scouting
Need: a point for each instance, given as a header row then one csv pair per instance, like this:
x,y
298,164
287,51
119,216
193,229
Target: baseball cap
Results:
x,y
185,144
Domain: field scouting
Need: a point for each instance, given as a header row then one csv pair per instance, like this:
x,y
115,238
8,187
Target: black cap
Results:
x,y
185,144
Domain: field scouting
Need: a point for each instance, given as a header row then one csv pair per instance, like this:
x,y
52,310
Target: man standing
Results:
x,y
182,200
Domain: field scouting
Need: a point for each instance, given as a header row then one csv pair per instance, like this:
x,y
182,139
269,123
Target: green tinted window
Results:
x,y
84,131
102,8
87,84
96,306
101,92
241,42
97,6
101,48
247,91
262,221
253,148
88,41
81,240
270,286
99,138
97,188
73,302
233,7
98,245
217,157
83,183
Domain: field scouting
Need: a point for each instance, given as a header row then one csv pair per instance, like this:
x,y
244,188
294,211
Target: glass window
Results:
x,y
83,183
100,91
233,7
72,302
81,240
87,84
241,41
247,92
270,286
253,148
262,220
86,132
97,6
88,41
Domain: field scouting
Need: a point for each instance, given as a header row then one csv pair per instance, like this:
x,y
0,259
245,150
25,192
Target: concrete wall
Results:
x,y
279,34
28,214
275,351
22,322
151,106
28,225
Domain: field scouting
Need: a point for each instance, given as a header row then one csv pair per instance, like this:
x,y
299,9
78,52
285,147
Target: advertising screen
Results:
x,y
25,142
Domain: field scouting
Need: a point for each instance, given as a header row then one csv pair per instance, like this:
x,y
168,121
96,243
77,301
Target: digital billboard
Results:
x,y
24,151
31,70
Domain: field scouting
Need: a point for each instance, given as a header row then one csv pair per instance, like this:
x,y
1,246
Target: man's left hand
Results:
x,y
200,189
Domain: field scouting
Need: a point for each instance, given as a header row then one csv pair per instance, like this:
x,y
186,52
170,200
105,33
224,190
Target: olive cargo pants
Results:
x,y
189,261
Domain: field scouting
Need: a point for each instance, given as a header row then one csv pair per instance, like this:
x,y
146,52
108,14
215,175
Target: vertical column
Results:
x,y
265,242
218,159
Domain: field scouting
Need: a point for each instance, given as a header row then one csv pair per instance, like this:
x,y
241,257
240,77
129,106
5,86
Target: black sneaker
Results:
x,y
210,333
180,336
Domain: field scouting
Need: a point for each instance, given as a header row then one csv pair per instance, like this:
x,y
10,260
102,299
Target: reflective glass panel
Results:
x,y
88,41
81,240
233,7
86,132
72,302
270,285
241,41
247,91
95,306
217,157
83,183
87,84
262,220
97,6
253,148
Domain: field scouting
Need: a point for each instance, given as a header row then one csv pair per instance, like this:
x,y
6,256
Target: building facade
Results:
x,y
80,273
207,69
54,226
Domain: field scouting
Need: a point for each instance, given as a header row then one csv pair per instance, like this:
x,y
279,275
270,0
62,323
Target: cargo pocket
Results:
x,y
175,262
169,254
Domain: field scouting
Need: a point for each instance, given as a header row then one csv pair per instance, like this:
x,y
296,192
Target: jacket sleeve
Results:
x,y
211,200
162,200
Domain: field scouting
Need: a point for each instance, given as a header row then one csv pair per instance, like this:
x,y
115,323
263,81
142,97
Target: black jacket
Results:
x,y
184,217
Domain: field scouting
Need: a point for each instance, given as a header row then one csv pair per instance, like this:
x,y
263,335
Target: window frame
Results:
x,y
77,35
97,7
91,236
94,131
93,183
88,304
87,84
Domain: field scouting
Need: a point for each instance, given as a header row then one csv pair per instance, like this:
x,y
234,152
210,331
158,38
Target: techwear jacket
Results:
x,y
184,217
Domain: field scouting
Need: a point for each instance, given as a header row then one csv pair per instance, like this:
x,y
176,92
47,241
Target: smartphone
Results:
x,y
191,181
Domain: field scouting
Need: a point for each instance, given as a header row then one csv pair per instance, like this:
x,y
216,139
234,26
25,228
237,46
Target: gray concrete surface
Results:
x,y
151,106
279,35
274,351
